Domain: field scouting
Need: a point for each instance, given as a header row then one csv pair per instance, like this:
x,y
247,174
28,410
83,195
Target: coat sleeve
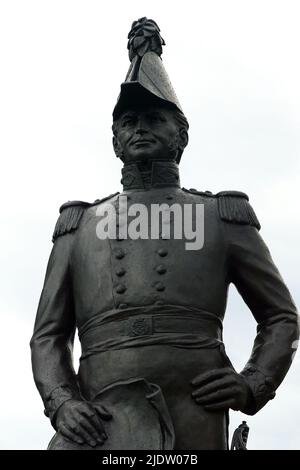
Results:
x,y
257,279
52,340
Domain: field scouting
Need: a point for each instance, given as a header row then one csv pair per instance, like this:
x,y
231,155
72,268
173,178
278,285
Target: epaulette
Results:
x,y
234,207
70,216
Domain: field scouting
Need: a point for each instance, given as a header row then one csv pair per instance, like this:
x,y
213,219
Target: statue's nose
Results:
x,y
141,126
141,130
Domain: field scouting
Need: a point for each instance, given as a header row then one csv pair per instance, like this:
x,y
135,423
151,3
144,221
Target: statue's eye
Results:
x,y
128,121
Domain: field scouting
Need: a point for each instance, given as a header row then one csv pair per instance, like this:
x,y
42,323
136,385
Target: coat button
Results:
x,y
120,254
159,286
120,289
161,269
120,272
162,252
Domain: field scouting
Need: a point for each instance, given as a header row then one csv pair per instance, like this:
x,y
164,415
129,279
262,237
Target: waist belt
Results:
x,y
150,326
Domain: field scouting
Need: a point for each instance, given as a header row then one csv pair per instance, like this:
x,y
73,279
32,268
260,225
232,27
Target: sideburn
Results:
x,y
174,145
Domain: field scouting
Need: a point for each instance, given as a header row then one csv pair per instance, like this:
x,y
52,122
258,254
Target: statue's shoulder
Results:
x,y
71,213
233,206
104,199
205,194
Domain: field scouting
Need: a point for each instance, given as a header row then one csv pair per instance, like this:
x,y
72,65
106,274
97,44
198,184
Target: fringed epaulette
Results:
x,y
234,207
70,215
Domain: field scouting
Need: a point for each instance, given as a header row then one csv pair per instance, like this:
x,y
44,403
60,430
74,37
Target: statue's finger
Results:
x,y
80,431
102,411
214,397
93,431
221,405
213,386
96,422
202,379
66,432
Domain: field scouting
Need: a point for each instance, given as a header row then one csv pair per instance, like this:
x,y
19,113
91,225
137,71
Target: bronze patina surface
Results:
x,y
153,372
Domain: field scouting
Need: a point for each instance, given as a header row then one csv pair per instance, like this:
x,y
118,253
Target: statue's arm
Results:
x,y
257,279
52,340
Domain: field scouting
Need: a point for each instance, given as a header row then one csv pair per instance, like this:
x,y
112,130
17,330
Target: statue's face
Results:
x,y
148,134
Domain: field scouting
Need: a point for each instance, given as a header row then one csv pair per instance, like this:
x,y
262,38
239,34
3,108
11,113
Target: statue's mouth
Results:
x,y
142,142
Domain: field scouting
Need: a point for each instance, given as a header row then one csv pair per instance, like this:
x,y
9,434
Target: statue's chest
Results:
x,y
150,233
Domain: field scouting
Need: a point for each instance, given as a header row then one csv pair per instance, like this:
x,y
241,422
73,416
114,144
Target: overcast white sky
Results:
x,y
235,68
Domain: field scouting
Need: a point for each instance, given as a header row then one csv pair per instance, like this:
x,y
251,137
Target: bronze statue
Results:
x,y
153,372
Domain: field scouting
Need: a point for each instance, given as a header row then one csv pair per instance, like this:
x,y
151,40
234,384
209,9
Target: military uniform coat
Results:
x,y
151,309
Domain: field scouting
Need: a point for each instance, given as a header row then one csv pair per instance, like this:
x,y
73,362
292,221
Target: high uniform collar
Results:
x,y
161,174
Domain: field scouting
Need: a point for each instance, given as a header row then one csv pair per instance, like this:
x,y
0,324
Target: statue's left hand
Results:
x,y
220,389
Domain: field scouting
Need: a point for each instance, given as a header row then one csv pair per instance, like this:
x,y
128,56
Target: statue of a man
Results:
x,y
153,372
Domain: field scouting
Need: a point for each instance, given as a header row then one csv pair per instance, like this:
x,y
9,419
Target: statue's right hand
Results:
x,y
81,422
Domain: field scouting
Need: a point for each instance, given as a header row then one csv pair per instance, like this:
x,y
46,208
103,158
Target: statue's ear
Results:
x,y
183,138
117,148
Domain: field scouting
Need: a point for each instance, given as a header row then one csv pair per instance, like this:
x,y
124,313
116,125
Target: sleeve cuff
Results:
x,y
56,398
261,386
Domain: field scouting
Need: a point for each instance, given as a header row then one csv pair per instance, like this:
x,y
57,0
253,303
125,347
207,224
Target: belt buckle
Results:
x,y
139,326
